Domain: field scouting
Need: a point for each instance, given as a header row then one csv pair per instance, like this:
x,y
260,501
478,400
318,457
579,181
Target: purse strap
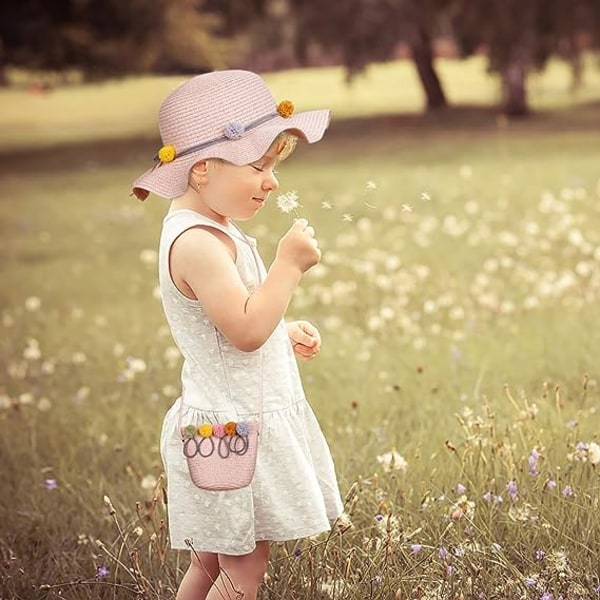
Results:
x,y
245,239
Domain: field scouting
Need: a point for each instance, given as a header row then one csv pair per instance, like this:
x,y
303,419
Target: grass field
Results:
x,y
457,298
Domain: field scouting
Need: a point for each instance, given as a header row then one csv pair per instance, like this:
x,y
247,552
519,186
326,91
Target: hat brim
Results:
x,y
170,180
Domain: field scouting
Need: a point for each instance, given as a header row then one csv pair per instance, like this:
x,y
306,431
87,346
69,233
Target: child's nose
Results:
x,y
270,182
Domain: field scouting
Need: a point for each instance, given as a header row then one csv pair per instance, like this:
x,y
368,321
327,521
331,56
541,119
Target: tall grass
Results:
x,y
457,386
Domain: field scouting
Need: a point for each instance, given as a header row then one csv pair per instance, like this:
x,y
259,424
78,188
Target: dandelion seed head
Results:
x,y
288,202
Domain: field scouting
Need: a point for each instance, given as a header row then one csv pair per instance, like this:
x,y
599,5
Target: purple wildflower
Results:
x,y
449,570
459,551
567,491
551,484
297,552
442,553
487,496
530,581
379,518
511,488
539,555
102,571
415,548
50,484
546,596
460,488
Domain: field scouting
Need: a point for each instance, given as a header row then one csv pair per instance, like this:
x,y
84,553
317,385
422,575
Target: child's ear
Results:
x,y
199,173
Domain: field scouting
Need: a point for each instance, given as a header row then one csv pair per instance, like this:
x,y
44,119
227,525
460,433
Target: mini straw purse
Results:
x,y
222,456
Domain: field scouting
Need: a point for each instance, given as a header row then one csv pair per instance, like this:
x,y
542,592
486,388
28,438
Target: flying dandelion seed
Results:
x,y
425,196
288,202
326,205
406,208
347,217
371,185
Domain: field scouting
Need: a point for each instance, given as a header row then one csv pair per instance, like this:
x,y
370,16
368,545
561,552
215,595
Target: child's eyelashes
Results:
x,y
261,169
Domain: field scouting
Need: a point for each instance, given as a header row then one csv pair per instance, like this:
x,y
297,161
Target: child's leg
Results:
x,y
241,575
198,579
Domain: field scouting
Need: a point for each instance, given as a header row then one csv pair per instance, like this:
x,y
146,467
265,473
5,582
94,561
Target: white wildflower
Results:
x,y
288,202
392,461
33,303
149,256
149,482
593,453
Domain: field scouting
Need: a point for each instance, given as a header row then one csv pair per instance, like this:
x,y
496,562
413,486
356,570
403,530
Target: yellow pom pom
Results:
x,y
205,430
167,154
286,108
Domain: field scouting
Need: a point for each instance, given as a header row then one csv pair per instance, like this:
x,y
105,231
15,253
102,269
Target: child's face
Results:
x,y
240,192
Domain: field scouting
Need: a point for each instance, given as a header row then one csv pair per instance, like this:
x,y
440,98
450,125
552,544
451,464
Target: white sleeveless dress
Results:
x,y
294,493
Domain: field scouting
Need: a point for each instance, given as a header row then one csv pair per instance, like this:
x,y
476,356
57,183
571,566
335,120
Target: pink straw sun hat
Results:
x,y
225,114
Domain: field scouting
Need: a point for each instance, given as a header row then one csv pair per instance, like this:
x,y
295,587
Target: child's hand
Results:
x,y
305,339
299,247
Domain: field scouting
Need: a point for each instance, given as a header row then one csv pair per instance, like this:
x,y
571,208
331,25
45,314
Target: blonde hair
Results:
x,y
285,144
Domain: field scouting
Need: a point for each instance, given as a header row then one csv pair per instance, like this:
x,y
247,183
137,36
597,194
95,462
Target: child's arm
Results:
x,y
206,265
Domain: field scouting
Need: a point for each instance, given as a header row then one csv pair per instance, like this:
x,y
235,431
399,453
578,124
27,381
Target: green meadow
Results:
x,y
457,298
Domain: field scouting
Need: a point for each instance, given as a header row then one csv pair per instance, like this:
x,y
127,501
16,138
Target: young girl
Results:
x,y
223,135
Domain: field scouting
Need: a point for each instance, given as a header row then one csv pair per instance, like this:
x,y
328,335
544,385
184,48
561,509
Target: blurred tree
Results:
x,y
365,31
107,37
519,36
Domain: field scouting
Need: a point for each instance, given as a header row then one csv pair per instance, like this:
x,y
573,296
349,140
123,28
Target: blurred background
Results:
x,y
49,43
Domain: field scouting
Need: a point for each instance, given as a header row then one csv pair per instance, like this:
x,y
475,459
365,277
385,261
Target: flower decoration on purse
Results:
x,y
221,456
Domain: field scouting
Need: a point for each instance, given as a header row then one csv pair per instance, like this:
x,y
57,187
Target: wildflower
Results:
x,y
593,453
50,484
379,518
148,482
487,496
539,555
551,484
442,553
511,488
297,552
288,202
532,461
449,570
32,304
392,461
546,596
459,551
460,488
530,581
102,571
567,491
415,548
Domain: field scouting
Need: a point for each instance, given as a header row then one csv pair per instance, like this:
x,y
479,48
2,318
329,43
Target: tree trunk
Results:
x,y
422,56
514,89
